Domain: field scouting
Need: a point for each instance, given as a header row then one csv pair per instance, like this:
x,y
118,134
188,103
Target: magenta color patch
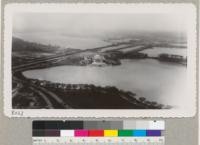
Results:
x,y
80,133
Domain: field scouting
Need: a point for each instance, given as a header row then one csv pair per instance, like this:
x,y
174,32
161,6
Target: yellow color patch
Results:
x,y
111,133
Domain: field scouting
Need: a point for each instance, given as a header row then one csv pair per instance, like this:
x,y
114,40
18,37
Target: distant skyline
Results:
x,y
95,24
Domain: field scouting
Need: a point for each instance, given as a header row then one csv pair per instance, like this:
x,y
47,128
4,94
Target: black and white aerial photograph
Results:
x,y
99,60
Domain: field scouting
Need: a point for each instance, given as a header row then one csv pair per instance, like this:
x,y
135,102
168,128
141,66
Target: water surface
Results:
x,y
157,81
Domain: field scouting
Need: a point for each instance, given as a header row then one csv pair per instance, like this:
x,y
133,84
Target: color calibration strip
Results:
x,y
129,124
97,131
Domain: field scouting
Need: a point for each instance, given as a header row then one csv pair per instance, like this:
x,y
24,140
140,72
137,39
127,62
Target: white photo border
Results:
x,y
188,9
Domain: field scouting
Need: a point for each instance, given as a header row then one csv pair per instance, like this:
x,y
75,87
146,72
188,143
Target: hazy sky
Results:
x,y
95,24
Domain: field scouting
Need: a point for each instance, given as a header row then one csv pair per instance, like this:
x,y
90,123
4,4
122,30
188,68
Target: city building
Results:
x,y
98,60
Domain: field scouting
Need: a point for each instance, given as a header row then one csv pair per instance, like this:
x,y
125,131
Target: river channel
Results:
x,y
157,81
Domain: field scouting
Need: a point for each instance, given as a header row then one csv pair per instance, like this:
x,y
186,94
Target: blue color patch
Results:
x,y
139,133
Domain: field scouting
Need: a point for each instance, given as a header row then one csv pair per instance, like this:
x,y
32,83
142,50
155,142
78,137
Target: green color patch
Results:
x,y
125,132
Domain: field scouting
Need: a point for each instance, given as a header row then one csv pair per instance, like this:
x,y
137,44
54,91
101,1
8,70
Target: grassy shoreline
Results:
x,y
84,96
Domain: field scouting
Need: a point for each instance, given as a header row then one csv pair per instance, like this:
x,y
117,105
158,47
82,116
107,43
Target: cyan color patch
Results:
x,y
139,133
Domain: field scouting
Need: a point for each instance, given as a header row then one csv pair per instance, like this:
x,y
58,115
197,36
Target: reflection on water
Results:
x,y
157,81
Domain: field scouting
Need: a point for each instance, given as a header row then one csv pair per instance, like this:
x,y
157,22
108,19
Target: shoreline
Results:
x,y
130,100
34,94
85,96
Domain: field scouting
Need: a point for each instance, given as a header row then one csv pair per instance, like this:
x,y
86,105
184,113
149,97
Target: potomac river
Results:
x,y
162,82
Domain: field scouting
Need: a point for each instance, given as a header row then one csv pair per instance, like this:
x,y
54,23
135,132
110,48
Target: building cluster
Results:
x,y
96,60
